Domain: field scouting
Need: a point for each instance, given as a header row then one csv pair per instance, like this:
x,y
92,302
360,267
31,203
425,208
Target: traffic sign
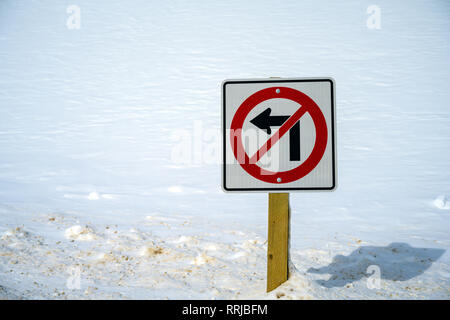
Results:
x,y
279,135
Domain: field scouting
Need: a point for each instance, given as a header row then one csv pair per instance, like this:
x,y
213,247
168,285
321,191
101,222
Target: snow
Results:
x,y
90,121
80,233
442,202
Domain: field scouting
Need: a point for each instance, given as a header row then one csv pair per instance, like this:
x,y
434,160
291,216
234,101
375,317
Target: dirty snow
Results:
x,y
93,205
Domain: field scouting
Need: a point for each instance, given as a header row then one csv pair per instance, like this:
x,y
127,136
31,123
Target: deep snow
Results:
x,y
89,120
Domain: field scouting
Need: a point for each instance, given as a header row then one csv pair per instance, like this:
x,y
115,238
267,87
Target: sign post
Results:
x,y
278,240
278,137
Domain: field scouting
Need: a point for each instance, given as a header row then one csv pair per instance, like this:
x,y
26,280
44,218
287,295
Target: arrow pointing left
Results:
x,y
265,121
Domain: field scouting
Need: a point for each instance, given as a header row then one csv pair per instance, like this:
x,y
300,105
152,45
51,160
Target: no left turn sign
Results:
x,y
278,135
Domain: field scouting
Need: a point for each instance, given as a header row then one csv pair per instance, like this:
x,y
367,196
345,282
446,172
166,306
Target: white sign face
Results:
x,y
279,135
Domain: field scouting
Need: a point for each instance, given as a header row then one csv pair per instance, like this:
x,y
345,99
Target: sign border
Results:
x,y
333,134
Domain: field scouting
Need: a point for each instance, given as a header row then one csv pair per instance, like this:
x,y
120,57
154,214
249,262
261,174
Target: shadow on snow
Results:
x,y
397,262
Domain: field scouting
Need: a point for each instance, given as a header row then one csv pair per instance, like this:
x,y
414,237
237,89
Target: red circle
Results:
x,y
319,146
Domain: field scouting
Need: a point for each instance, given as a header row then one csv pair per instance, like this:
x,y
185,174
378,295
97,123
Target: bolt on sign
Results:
x,y
279,135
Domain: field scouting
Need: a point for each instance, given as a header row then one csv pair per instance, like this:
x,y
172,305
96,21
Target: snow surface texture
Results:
x,y
92,204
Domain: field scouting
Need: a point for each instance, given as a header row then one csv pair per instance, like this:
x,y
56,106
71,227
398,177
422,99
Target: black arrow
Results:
x,y
294,142
264,121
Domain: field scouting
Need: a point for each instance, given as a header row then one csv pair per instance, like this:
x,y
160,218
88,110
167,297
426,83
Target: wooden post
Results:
x,y
278,240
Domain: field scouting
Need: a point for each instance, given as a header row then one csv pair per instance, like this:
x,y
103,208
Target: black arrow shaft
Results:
x,y
294,142
276,121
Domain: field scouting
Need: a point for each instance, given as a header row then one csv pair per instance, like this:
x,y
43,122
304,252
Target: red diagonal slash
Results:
x,y
307,105
277,135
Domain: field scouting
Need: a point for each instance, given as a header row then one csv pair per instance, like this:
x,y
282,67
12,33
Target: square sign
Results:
x,y
279,135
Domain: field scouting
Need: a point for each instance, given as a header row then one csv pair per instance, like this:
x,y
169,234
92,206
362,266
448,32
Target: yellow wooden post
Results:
x,y
278,240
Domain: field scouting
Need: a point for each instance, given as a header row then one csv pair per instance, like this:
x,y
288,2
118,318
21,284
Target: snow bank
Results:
x,y
80,233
